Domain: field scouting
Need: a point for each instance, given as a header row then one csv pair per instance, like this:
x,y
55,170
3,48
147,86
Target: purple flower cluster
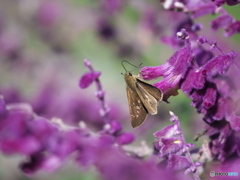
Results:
x,y
47,143
172,146
197,9
200,75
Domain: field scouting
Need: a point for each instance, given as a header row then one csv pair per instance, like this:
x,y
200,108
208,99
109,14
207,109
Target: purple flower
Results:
x,y
41,161
125,138
203,9
125,167
113,128
221,21
88,78
172,146
173,71
178,163
202,80
166,132
232,28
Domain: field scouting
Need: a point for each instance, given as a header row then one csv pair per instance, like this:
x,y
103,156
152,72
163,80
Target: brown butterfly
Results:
x,y
143,98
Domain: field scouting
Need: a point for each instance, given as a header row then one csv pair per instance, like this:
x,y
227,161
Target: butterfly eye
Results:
x,y
130,74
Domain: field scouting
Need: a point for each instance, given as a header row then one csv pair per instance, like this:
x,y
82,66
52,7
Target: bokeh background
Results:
x,y
42,47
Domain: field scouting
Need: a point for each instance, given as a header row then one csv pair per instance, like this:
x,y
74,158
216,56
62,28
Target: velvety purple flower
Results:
x,y
218,65
202,55
194,80
125,138
210,96
232,29
178,163
168,131
88,78
128,168
221,21
202,80
22,132
203,10
171,145
113,127
173,70
225,86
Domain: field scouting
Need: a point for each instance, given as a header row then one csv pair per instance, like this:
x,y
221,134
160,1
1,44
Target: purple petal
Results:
x,y
203,56
218,65
168,83
152,72
220,110
51,163
125,138
176,66
221,21
202,40
88,78
63,144
210,96
232,29
113,127
203,10
181,60
166,132
170,146
234,121
225,86
197,98
23,145
178,163
194,80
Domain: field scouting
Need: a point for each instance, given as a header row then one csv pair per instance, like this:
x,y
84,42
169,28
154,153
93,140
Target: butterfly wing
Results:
x,y
149,95
138,112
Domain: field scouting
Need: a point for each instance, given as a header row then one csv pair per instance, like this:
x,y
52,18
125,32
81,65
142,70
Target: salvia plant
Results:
x,y
50,128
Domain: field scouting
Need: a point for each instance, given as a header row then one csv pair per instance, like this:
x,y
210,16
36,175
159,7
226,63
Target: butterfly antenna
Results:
x,y
130,64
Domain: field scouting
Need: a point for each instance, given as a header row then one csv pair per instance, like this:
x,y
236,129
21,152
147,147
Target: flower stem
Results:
x,y
99,93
